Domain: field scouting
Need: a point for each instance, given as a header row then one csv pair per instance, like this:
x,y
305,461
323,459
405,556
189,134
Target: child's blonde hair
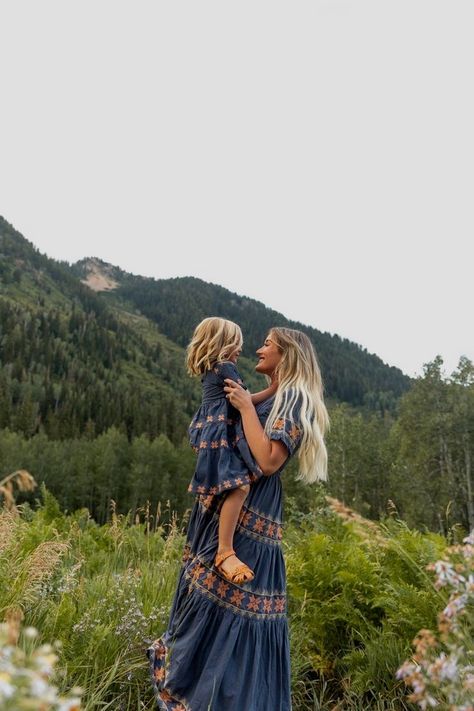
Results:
x,y
214,340
299,379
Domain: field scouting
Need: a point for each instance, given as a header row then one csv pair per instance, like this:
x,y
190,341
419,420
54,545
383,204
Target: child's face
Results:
x,y
235,354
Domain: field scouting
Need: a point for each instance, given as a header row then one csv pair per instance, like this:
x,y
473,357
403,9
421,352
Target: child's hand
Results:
x,y
237,395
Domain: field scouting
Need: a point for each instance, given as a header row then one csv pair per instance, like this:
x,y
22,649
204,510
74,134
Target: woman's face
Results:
x,y
269,355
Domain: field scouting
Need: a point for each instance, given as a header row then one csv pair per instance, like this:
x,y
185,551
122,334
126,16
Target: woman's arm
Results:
x,y
264,394
269,454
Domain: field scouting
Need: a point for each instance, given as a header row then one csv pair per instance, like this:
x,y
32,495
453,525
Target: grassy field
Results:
x,y
359,592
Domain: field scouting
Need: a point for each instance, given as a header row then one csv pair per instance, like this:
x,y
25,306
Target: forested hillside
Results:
x,y
71,364
95,400
351,374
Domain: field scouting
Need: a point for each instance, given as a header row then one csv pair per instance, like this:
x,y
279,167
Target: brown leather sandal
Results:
x,y
240,574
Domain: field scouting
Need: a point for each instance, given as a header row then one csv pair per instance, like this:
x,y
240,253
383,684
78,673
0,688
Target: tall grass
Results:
x,y
103,592
358,593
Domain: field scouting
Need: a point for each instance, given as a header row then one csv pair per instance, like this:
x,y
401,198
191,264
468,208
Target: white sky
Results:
x,y
315,155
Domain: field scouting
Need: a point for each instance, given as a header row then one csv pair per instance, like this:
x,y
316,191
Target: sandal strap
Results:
x,y
241,569
220,557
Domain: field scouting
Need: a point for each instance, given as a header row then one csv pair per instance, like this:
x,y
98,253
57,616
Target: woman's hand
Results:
x,y
237,395
269,454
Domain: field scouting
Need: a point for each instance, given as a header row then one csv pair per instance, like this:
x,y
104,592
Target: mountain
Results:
x,y
87,346
73,364
350,373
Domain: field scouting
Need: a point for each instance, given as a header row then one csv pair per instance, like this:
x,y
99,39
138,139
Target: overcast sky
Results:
x,y
315,155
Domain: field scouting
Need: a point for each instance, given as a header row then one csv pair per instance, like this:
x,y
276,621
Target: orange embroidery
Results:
x,y
214,444
253,603
280,604
267,604
203,444
246,518
197,571
159,674
209,580
224,443
222,588
237,597
221,418
209,418
259,525
279,424
244,601
294,433
270,529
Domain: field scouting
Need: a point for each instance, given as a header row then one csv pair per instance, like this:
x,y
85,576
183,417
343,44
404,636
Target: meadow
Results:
x,y
80,602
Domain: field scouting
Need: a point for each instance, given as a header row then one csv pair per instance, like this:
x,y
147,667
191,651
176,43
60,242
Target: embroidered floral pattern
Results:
x,y
199,424
249,522
226,484
209,582
166,700
294,433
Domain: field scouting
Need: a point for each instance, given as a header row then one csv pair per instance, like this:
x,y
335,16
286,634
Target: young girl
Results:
x,y
224,461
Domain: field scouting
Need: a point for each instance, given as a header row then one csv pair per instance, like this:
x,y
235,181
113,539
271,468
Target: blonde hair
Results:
x,y
299,380
214,340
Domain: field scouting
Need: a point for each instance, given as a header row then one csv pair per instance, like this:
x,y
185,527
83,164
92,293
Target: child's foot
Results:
x,y
232,568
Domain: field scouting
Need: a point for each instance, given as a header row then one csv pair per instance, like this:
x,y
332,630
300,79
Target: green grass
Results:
x,y
356,601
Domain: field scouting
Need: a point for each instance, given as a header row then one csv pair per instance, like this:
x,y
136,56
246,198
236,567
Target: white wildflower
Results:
x,y
6,689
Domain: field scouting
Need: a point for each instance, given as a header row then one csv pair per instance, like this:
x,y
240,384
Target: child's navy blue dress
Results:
x,y
224,460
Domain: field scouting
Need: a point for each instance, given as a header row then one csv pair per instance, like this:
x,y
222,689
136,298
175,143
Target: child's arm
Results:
x,y
264,394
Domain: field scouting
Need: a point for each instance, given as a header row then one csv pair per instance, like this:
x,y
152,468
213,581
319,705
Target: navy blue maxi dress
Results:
x,y
226,647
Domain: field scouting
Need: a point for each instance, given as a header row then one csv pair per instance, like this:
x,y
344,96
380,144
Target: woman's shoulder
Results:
x,y
264,407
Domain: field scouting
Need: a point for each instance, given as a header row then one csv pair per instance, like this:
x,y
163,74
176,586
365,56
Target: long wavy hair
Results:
x,y
300,381
214,340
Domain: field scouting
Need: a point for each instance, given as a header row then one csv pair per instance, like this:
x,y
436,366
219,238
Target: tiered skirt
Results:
x,y
226,647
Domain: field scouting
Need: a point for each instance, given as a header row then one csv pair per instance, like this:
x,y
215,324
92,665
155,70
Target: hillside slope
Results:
x,y
350,373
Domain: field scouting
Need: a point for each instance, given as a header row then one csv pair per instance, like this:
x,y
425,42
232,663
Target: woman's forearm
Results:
x,y
269,454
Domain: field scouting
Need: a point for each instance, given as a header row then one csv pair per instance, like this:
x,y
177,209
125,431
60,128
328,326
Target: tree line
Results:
x,y
417,465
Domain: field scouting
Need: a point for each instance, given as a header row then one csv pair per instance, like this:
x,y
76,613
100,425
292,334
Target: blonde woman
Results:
x,y
227,645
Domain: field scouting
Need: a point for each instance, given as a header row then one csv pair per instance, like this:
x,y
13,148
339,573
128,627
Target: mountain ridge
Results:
x,y
132,330
177,304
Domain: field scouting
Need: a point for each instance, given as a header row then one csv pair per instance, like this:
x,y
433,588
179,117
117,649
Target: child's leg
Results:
x,y
229,515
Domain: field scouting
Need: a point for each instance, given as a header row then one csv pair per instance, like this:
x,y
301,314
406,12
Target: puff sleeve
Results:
x,y
289,429
227,369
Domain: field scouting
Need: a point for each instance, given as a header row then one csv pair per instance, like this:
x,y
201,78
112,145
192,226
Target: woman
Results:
x,y
227,645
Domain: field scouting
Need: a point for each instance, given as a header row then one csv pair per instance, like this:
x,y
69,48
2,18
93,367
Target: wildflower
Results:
x,y
6,689
446,677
